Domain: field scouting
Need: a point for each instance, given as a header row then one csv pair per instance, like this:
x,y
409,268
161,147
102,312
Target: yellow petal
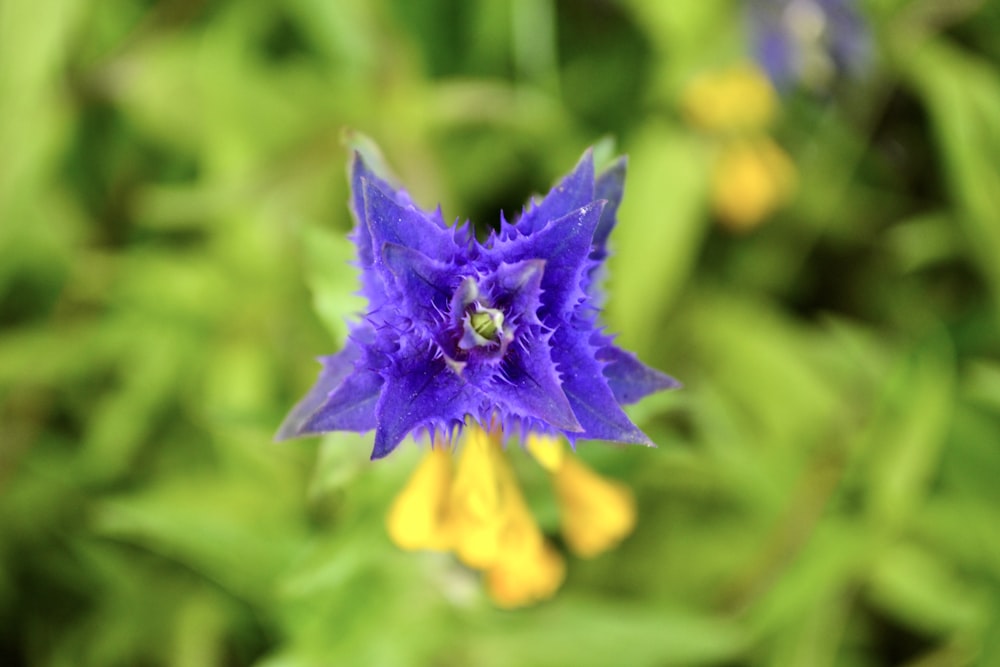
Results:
x,y
737,99
751,179
596,513
416,519
528,568
530,578
547,450
475,502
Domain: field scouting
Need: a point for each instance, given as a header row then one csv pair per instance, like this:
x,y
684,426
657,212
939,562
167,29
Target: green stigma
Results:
x,y
482,326
486,322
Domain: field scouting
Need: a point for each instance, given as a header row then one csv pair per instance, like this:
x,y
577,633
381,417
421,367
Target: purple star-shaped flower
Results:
x,y
502,331
809,41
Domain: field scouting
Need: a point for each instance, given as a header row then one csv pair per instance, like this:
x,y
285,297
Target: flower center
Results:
x,y
482,325
486,323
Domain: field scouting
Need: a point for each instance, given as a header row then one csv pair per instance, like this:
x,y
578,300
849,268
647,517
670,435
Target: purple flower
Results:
x,y
808,41
502,332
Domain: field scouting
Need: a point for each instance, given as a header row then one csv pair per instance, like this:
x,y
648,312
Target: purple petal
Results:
x,y
629,378
592,400
426,285
466,292
418,393
574,191
389,221
516,288
361,174
774,48
372,284
351,407
335,368
610,186
531,387
405,368
564,244
850,42
342,398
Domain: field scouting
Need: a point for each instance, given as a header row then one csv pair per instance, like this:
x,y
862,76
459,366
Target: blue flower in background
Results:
x,y
808,41
501,332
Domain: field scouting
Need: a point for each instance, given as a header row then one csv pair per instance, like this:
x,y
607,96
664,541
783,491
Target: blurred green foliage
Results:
x,y
173,255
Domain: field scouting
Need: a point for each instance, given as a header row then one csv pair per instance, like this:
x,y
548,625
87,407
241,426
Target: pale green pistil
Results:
x,y
486,323
483,327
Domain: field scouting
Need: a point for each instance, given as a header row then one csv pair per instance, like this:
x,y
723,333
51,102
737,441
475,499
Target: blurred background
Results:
x,y
810,241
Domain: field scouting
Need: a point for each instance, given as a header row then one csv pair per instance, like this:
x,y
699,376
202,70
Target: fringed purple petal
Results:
x,y
574,191
530,386
343,399
425,286
420,393
517,289
351,407
564,244
609,186
335,369
629,378
361,174
786,51
389,221
588,392
503,331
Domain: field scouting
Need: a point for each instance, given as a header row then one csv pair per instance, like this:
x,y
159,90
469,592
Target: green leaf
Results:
x,y
660,228
914,585
908,433
962,94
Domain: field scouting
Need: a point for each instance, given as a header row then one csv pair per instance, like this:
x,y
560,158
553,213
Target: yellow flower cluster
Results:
x,y
472,505
752,176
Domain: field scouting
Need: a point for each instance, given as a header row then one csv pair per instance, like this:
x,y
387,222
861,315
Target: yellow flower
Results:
x,y
477,501
548,451
596,513
417,518
750,180
476,509
737,99
526,577
528,569
752,176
